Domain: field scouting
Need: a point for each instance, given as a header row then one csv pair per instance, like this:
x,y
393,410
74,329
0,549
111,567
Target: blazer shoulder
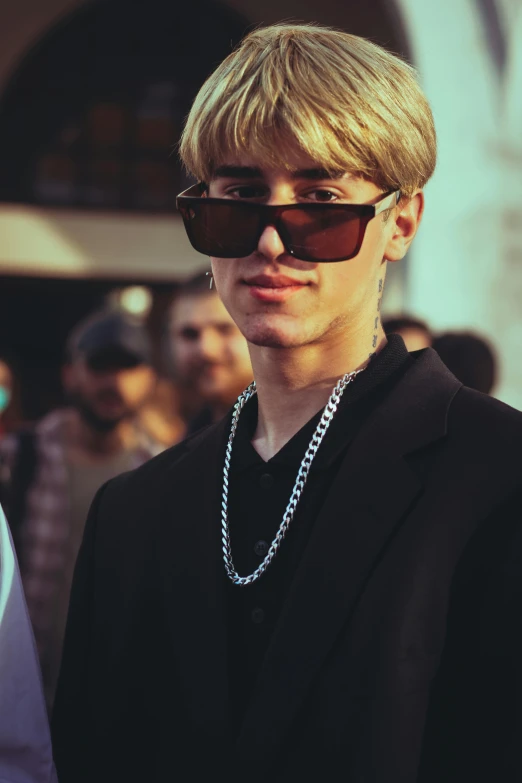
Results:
x,y
146,477
477,415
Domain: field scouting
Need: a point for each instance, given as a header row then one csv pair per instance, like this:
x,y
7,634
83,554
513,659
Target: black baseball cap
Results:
x,y
110,340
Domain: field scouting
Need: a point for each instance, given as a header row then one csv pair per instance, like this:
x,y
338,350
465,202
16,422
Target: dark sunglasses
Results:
x,y
229,228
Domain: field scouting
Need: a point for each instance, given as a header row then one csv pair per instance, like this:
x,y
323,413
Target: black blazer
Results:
x,y
398,653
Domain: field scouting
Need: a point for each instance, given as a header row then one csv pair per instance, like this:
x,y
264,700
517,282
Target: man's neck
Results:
x,y
294,384
86,444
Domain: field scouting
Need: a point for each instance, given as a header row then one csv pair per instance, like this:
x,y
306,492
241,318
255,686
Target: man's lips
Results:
x,y
273,288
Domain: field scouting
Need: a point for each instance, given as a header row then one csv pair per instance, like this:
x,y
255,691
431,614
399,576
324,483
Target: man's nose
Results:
x,y
209,344
113,381
270,244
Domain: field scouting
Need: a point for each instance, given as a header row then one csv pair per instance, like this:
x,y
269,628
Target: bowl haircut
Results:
x,y
347,103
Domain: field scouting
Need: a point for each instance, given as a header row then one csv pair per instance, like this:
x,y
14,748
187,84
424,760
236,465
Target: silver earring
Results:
x,y
211,278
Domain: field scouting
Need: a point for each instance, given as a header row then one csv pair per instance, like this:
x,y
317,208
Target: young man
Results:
x,y
209,354
49,475
291,594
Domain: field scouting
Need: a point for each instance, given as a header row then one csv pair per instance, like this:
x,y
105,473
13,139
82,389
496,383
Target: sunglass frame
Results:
x,y
273,212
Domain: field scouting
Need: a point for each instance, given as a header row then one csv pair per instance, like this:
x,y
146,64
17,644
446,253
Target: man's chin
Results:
x,y
100,421
274,330
213,393
273,337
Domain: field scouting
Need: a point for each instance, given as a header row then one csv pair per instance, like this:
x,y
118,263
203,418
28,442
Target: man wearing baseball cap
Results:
x,y
51,473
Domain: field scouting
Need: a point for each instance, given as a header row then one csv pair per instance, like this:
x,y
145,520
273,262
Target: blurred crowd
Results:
x,y
120,411
469,356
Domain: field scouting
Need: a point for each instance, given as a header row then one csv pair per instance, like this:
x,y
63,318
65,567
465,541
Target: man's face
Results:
x,y
312,302
6,386
6,377
210,353
109,395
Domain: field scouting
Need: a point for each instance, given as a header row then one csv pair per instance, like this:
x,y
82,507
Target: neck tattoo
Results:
x,y
302,476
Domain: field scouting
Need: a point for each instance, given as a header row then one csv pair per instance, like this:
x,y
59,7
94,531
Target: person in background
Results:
x,y
209,354
50,474
6,390
25,741
161,415
10,414
470,358
415,333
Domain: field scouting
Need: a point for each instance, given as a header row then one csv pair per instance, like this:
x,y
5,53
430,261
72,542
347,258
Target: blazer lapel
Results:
x,y
369,498
193,580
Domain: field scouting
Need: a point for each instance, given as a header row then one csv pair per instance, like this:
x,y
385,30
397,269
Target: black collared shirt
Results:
x,y
258,496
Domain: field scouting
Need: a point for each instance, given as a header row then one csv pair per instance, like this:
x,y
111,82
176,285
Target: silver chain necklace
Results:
x,y
302,476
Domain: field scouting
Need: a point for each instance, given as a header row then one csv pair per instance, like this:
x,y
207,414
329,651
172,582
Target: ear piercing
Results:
x,y
211,278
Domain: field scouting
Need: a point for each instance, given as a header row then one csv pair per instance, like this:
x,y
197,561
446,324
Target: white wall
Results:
x,y
506,294
467,264
454,253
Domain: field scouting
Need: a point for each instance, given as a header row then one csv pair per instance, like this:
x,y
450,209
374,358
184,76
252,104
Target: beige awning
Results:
x,y
78,244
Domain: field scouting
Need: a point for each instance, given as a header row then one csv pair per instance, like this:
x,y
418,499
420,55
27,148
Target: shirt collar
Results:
x,y
359,399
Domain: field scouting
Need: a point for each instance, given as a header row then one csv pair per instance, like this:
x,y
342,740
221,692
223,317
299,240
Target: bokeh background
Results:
x,y
92,100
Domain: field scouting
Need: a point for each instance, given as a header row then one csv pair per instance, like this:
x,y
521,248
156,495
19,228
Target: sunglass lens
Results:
x,y
321,234
221,230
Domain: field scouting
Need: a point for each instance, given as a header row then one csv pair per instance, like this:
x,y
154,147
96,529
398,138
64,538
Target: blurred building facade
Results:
x,y
92,98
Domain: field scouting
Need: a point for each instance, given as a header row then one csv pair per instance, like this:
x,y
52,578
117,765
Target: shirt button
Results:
x,y
261,548
258,616
266,481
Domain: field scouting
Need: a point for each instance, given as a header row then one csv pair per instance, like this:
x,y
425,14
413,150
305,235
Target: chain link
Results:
x,y
300,482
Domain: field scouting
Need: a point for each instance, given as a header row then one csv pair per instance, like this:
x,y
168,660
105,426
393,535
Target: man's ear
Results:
x,y
407,218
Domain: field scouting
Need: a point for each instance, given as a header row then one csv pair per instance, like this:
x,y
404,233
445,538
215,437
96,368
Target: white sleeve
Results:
x,y
25,744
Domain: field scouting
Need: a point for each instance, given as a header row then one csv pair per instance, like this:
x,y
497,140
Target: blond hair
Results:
x,y
345,102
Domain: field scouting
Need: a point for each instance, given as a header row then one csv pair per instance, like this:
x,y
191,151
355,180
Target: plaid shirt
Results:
x,y
44,531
